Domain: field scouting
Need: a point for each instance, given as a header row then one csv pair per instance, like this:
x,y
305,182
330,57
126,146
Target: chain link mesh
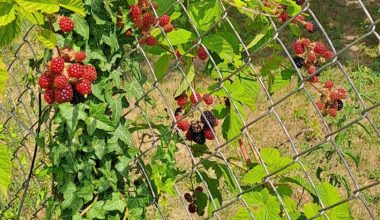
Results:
x,y
20,121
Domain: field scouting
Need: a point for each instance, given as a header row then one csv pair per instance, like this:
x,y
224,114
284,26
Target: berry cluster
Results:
x,y
198,130
65,24
143,18
311,55
67,79
330,101
192,199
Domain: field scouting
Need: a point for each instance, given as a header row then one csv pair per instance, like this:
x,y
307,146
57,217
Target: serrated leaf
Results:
x,y
116,203
7,13
220,46
5,171
97,211
9,32
73,5
179,36
311,209
205,13
35,17
68,194
282,80
241,213
162,65
47,38
190,73
47,6
264,205
81,26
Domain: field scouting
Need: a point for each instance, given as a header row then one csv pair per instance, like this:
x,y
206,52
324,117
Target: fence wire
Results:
x,y
20,118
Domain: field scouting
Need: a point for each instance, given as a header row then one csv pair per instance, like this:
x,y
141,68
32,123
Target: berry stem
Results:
x,y
166,49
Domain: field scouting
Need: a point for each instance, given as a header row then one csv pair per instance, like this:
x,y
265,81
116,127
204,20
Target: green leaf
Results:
x,y
253,176
282,80
190,73
122,134
205,13
134,89
116,107
220,46
179,36
68,194
116,203
201,201
329,196
81,26
9,32
311,209
47,6
7,13
264,206
35,17
47,38
162,65
73,5
5,171
71,115
3,79
97,211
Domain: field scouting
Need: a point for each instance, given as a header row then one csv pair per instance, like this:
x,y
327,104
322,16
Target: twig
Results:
x,y
89,206
244,151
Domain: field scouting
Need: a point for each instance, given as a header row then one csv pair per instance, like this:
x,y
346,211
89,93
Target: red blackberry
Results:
x,y
328,55
83,87
334,95
60,82
77,97
80,56
75,70
177,54
320,105
332,112
329,84
49,96
299,61
342,93
311,69
192,209
298,47
138,22
208,117
314,79
208,134
168,28
128,33
57,65
300,18
311,57
319,48
194,100
181,100
135,12
188,197
66,24
148,19
151,41
202,54
143,3
164,20
89,72
310,27
208,99
305,42
283,16
63,95
184,125
45,81
340,104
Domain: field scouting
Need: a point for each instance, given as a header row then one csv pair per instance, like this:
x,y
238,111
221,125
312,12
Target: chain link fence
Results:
x,y
21,110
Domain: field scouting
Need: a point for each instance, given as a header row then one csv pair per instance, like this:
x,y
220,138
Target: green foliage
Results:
x,y
5,171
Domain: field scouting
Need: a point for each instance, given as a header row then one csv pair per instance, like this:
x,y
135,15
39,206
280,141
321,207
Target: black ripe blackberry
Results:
x,y
340,104
192,208
199,137
299,61
188,197
208,117
300,2
227,102
77,97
